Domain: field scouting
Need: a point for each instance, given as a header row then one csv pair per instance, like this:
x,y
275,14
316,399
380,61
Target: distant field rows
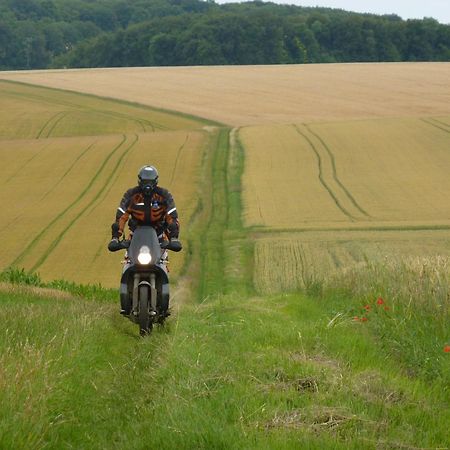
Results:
x,y
33,113
378,190
294,261
244,95
373,173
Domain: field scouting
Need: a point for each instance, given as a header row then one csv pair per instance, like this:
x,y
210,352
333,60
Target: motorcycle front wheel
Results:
x,y
145,324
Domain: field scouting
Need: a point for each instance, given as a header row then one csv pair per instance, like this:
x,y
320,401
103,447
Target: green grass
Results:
x,y
228,373
412,322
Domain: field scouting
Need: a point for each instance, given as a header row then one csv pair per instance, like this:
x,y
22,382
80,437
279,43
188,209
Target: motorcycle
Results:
x,y
144,285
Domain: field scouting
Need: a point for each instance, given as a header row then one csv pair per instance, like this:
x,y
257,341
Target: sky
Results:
x,y
407,9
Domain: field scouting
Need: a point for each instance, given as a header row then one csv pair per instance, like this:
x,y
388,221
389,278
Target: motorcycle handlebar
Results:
x,y
174,246
115,246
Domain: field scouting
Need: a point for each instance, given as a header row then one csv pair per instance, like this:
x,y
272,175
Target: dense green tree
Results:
x,y
95,33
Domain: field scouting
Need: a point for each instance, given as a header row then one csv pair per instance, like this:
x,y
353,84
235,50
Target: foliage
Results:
x,y
33,32
82,33
264,35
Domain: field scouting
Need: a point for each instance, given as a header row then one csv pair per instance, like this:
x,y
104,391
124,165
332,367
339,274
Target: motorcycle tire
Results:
x,y
145,324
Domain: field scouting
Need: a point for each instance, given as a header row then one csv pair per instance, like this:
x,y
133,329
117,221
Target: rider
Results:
x,y
147,204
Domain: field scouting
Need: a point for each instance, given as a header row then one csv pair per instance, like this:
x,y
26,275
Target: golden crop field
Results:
x,y
381,172
61,193
244,95
380,187
352,150
289,261
28,112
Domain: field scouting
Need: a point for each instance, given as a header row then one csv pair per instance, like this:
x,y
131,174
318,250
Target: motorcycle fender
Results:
x,y
153,294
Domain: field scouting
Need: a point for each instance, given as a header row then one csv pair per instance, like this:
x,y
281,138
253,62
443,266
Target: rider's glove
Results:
x,y
113,244
175,244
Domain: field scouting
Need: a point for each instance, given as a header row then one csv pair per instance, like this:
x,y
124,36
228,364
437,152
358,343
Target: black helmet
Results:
x,y
148,179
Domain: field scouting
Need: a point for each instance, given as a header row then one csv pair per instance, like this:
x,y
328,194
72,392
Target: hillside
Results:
x,y
254,95
84,152
121,33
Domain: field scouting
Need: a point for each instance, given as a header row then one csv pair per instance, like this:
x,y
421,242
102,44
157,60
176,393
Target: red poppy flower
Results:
x,y
447,349
380,301
367,307
363,319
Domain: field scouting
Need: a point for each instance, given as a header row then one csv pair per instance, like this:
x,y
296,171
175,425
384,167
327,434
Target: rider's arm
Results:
x,y
171,217
122,222
119,224
124,204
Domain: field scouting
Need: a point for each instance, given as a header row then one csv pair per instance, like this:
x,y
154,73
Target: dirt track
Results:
x,y
243,95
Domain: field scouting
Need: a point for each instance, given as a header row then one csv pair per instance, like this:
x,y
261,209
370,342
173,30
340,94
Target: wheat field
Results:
x,y
61,192
298,260
383,172
354,148
249,95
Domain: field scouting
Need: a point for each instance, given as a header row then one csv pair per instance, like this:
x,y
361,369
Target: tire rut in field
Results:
x,y
28,161
54,119
58,239
112,179
77,107
20,210
68,170
143,123
325,164
33,242
437,124
180,149
335,175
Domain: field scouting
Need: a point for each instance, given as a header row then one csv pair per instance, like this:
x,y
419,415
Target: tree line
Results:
x,y
114,33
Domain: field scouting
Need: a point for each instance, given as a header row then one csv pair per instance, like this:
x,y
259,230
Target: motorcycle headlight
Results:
x,y
144,256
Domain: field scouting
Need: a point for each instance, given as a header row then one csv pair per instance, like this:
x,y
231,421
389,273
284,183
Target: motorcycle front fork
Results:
x,y
152,292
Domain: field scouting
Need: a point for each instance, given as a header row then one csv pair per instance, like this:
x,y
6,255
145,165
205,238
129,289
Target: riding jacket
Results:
x,y
157,210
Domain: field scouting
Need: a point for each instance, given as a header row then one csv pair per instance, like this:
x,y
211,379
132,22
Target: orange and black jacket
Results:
x,y
157,210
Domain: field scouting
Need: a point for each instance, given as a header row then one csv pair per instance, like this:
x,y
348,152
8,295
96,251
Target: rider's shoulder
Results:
x,y
132,191
162,191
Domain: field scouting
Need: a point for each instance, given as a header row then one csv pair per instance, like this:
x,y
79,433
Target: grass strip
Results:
x,y
212,279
